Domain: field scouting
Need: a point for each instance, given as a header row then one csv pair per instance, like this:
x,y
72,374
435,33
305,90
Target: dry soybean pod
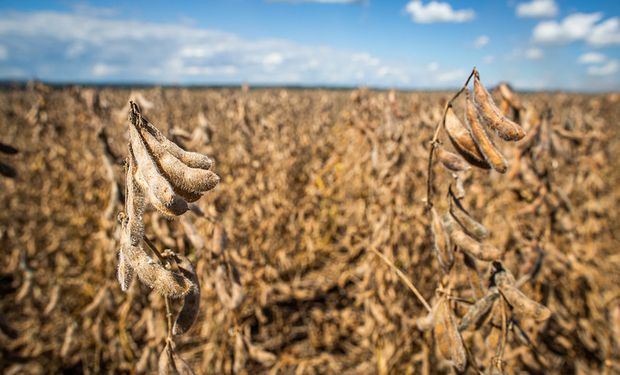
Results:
x,y
471,226
451,160
484,143
230,296
188,182
191,303
462,140
441,242
218,243
473,276
161,194
521,304
152,273
447,336
124,272
476,249
479,310
132,221
504,127
134,202
191,159
458,185
170,363
509,96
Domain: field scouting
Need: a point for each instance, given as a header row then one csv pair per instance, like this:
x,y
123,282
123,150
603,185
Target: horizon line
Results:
x,y
8,84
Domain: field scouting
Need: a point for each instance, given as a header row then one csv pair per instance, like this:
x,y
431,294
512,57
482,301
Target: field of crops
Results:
x,y
316,186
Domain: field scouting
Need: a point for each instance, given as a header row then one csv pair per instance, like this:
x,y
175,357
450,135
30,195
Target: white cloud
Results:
x,y
443,77
488,59
102,70
534,53
537,9
574,27
580,27
452,76
598,63
49,44
224,70
592,58
481,41
606,33
273,59
365,58
387,71
4,53
436,11
607,69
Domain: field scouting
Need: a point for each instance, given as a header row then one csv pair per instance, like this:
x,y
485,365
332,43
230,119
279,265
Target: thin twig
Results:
x,y
502,344
403,277
435,142
168,319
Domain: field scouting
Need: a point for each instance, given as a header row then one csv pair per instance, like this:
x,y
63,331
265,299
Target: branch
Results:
x,y
403,277
435,142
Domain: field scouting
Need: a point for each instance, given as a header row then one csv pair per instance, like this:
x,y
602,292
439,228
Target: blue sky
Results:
x,y
419,44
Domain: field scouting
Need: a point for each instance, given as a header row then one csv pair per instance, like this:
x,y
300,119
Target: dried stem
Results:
x,y
404,278
435,142
502,342
109,159
168,319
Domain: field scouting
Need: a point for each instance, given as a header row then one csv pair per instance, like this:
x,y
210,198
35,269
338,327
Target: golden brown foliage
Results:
x,y
310,181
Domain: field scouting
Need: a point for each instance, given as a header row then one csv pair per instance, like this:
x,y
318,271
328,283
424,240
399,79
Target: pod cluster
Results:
x,y
457,230
162,175
471,138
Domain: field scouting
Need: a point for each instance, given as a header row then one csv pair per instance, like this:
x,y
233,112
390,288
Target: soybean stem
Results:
x,y
435,142
403,277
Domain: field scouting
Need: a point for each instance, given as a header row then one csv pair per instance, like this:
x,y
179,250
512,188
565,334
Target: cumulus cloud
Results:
x,y
537,9
436,11
273,59
574,27
452,76
76,46
102,70
598,64
443,76
579,27
610,68
534,53
481,41
366,59
592,58
606,33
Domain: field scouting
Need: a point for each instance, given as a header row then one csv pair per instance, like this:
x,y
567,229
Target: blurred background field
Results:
x,y
311,181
